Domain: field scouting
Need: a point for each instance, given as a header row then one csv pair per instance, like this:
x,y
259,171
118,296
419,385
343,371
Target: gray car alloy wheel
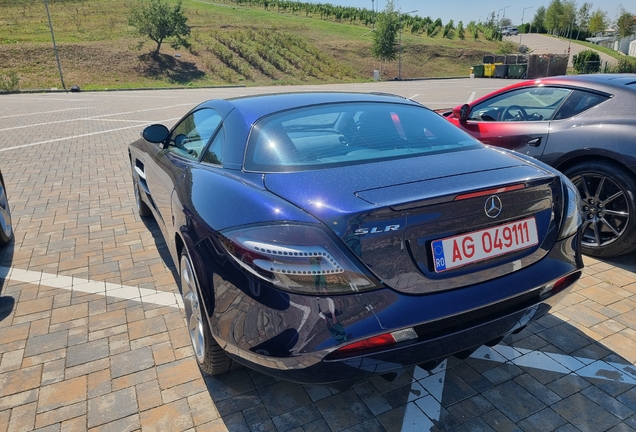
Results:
x,y
607,206
604,208
192,305
6,228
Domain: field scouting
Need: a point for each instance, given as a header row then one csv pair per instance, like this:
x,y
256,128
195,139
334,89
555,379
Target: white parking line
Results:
x,y
72,283
42,112
93,117
84,135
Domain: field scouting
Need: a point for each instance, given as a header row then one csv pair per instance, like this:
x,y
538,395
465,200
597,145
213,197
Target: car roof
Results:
x,y
257,106
597,81
609,83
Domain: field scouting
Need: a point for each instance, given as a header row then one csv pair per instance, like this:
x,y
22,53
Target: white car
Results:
x,y
512,31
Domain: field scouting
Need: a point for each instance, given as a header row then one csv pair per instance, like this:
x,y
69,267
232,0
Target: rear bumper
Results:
x,y
400,357
292,336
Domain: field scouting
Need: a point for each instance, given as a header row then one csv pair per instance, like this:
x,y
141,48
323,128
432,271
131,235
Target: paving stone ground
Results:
x,y
92,335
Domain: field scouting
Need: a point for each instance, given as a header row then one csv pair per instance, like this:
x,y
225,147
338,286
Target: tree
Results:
x,y
505,22
568,19
583,16
158,21
625,24
553,16
385,44
598,21
539,20
448,30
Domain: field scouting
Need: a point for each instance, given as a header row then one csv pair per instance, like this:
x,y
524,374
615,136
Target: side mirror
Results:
x,y
156,133
464,111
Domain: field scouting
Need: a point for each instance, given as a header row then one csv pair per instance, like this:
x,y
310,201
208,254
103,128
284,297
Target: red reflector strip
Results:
x,y
564,282
374,342
489,192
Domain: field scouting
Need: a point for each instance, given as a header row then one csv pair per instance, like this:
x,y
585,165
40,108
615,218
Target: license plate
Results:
x,y
465,249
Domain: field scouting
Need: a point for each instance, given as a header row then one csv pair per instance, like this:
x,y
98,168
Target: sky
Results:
x,y
476,10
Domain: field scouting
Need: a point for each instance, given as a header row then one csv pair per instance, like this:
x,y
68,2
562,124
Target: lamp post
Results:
x,y
400,48
522,15
57,57
504,13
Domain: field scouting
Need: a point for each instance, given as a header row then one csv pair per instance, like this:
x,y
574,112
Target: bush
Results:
x,y
10,82
587,61
507,47
623,66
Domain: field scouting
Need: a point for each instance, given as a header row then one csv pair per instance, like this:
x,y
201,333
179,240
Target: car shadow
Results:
x,y
625,262
549,370
153,227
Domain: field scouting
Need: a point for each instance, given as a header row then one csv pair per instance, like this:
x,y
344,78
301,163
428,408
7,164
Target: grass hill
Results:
x,y
231,44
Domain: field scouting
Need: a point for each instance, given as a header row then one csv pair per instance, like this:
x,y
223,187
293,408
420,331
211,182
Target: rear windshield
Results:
x,y
340,134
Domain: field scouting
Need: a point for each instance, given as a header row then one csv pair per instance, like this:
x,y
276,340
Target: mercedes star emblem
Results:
x,y
493,206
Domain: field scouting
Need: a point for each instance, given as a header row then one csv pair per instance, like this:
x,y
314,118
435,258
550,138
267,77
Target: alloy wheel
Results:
x,y
605,209
192,308
5,216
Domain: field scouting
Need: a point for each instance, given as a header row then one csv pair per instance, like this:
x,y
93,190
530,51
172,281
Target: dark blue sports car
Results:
x,y
325,237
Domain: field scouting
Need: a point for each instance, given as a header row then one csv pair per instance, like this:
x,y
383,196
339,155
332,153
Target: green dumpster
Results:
x,y
478,70
517,70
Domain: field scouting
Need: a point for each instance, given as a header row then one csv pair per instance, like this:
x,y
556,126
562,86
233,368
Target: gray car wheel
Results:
x,y
608,208
210,356
6,228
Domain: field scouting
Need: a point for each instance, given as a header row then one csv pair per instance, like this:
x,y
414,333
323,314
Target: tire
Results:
x,y
142,208
608,207
210,356
6,227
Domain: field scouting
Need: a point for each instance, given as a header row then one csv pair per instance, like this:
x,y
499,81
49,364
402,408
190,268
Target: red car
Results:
x,y
585,126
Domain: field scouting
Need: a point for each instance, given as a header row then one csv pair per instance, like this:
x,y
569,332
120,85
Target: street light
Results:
x,y
400,49
522,15
504,14
57,57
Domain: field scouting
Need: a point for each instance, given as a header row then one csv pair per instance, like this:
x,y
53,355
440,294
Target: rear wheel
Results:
x,y
210,356
608,206
6,228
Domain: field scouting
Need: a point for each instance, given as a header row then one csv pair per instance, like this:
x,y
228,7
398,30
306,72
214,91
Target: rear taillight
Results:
x,y
297,258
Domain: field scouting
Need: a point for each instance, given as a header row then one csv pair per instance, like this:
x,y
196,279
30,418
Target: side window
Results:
x,y
527,104
189,138
578,102
214,153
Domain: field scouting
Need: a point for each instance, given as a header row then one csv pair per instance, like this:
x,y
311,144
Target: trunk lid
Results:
x,y
392,214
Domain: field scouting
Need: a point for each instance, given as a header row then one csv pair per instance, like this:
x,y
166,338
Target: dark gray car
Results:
x,y
585,126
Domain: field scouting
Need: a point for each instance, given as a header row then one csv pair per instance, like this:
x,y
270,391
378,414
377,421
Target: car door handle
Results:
x,y
535,142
